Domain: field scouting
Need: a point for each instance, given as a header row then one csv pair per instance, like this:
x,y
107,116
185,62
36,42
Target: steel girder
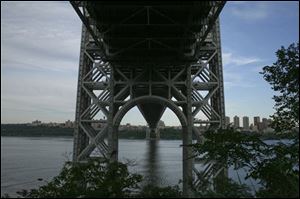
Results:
x,y
207,84
107,90
93,99
161,32
209,78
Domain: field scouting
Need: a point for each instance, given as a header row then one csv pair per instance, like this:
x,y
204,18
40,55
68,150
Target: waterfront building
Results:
x,y
236,122
256,120
245,123
227,120
265,123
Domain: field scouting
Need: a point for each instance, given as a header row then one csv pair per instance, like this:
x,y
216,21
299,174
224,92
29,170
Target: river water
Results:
x,y
26,159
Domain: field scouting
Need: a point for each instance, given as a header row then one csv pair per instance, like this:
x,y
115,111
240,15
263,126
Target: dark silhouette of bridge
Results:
x,y
153,55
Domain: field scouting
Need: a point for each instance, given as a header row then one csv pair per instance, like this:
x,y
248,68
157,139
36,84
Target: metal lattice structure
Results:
x,y
152,55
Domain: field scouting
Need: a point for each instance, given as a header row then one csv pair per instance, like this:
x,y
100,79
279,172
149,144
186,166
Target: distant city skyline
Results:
x,y
39,79
227,120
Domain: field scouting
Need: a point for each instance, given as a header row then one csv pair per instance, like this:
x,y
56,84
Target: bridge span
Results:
x,y
153,55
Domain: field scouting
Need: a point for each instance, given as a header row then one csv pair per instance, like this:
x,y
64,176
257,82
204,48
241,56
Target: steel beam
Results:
x,y
187,156
108,89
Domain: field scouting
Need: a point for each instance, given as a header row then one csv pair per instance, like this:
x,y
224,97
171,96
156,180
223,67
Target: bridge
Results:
x,y
153,55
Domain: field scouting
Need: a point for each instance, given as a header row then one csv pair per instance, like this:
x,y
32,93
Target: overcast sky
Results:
x,y
40,44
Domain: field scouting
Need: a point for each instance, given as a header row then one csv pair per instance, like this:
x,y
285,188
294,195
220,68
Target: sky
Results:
x,y
40,43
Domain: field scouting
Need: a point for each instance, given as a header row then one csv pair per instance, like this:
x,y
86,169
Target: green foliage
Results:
x,y
151,191
171,133
96,179
280,172
283,76
275,166
168,133
91,179
270,164
230,189
132,134
230,148
37,131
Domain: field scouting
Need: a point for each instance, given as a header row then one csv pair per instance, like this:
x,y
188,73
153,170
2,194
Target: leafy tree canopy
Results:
x,y
283,76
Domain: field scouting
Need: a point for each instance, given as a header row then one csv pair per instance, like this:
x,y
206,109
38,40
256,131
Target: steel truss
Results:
x,y
106,91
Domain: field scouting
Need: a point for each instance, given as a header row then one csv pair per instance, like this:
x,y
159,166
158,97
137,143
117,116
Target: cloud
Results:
x,y
235,79
250,12
38,94
39,35
48,97
230,59
40,44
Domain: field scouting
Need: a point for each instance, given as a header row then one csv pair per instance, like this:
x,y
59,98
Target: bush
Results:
x,y
151,191
91,179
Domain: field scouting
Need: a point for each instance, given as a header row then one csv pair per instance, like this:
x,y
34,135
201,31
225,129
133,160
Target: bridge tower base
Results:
x,y
107,91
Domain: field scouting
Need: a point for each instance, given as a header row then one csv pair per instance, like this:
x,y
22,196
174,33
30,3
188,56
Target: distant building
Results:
x,y
227,120
236,121
265,123
161,124
256,120
69,124
36,123
245,122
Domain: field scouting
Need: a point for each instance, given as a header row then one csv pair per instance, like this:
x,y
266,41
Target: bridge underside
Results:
x,y
153,55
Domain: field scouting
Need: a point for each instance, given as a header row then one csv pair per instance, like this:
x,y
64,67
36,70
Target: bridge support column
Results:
x,y
113,140
152,133
94,106
82,102
187,166
157,133
113,143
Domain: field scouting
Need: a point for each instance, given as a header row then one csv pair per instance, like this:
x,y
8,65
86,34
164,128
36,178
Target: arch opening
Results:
x,y
149,99
153,159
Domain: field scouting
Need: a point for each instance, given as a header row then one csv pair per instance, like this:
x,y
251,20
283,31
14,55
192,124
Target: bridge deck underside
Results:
x,y
152,54
161,33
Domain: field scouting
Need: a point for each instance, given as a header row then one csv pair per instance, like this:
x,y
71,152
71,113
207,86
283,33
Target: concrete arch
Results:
x,y
153,99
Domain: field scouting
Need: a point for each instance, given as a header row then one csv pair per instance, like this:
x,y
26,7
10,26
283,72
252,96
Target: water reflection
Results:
x,y
151,173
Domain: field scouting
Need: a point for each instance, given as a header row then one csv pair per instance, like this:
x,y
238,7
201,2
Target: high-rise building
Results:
x,y
246,122
256,120
236,121
227,120
265,123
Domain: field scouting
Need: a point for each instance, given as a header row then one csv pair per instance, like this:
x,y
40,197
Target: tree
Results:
x,y
151,191
86,180
276,166
98,179
283,76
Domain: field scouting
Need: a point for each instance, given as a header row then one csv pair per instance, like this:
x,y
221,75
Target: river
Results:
x,y
26,159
